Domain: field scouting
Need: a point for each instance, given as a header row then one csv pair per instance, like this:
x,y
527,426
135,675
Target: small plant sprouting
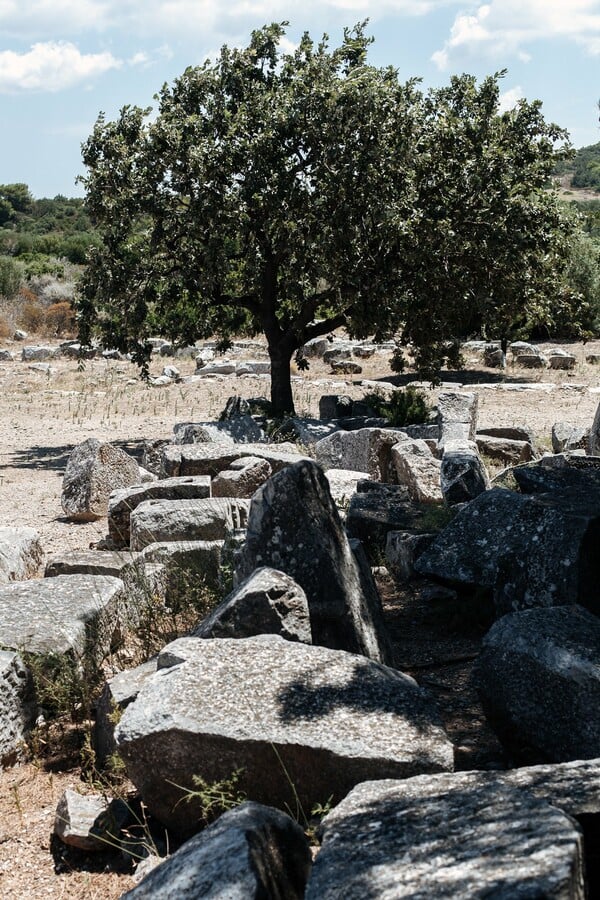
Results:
x,y
212,798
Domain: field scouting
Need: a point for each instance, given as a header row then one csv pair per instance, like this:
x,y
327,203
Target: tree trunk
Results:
x,y
281,384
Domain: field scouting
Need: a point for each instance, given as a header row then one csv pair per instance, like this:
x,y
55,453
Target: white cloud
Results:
x,y
509,99
501,29
51,66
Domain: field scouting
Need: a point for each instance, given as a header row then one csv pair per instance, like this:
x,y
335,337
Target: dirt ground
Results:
x,y
43,415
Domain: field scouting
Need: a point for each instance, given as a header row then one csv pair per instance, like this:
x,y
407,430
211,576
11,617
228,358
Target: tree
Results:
x,y
289,194
270,195
18,195
492,239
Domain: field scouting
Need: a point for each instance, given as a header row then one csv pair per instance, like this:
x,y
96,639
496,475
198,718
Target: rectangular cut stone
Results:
x,y
69,613
210,459
212,519
122,503
90,562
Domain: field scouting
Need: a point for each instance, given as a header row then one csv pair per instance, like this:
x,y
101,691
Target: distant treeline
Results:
x,y
32,230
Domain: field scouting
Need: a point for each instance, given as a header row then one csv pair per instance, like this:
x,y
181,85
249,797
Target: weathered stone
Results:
x,y
457,415
18,707
316,347
519,347
243,477
512,433
93,472
509,452
402,549
21,553
185,520
6,356
463,475
343,484
426,839
123,502
294,526
561,361
89,562
301,722
345,366
418,469
252,852
186,564
338,350
29,354
366,450
267,602
531,360
539,682
118,693
222,367
569,437
76,815
373,513
531,550
304,431
210,459
253,367
333,406
69,613
20,335
235,430
152,455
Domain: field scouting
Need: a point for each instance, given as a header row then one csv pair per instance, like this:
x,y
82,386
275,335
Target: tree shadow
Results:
x,y
466,376
56,458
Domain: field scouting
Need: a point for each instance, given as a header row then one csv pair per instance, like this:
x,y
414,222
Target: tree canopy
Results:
x,y
291,193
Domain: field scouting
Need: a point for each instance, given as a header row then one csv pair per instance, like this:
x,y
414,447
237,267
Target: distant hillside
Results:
x,y
583,172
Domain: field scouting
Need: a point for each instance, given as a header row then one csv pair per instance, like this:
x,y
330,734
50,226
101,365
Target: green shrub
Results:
x,y
402,407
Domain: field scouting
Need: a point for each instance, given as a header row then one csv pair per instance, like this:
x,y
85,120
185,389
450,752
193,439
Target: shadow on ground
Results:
x,y
56,458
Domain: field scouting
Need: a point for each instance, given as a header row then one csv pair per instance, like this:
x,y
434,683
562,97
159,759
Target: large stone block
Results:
x,y
539,681
463,475
365,450
250,853
427,839
185,520
21,553
418,469
210,459
301,722
457,416
123,502
69,613
242,478
90,562
294,526
93,472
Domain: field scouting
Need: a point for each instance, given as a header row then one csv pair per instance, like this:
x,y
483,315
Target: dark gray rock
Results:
x,y
185,565
185,520
252,852
94,470
373,513
294,526
301,722
402,549
426,839
463,475
334,406
18,707
268,602
123,502
539,682
511,433
117,694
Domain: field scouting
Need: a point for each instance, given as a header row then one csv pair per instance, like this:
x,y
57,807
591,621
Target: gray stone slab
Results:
x,y
431,840
156,521
90,562
285,713
210,459
75,613
123,502
463,476
365,450
94,470
250,853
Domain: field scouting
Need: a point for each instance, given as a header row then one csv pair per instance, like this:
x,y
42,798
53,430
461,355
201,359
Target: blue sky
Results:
x,y
63,61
